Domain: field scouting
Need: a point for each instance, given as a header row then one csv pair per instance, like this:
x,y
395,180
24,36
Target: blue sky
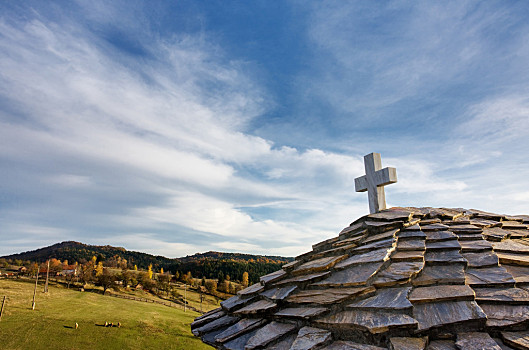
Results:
x,y
176,127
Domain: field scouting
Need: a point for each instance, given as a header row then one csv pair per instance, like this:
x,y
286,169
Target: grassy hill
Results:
x,y
51,324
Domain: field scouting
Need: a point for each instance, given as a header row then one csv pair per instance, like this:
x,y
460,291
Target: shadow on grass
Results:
x,y
68,327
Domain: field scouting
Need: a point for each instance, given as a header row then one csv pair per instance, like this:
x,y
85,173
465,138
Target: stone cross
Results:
x,y
374,181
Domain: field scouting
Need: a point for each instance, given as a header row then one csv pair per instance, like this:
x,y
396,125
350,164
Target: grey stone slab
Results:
x,y
439,236
519,273
372,321
489,276
415,255
414,234
328,296
469,236
243,326
484,223
318,265
354,228
444,257
434,227
468,228
302,279
391,215
381,236
239,342
208,317
348,241
480,214
519,340
496,233
209,337
381,226
301,312
269,333
441,293
340,250
251,290
310,338
513,225
325,244
235,302
442,345
481,259
518,233
392,299
511,296
476,341
408,343
450,313
378,255
440,274
445,245
284,344
356,275
224,321
426,222
278,293
349,345
258,307
475,246
411,244
510,246
414,227
273,277
397,273
291,265
503,315
385,243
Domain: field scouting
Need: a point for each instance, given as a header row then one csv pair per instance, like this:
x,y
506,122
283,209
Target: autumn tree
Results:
x,y
106,279
245,279
150,271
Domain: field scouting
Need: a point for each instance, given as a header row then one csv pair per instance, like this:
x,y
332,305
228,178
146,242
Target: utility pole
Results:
x,y
185,297
2,309
35,291
47,277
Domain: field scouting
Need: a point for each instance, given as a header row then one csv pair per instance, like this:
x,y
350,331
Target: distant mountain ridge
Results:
x,y
207,264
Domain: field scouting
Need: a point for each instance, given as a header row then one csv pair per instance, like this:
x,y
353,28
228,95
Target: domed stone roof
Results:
x,y
402,278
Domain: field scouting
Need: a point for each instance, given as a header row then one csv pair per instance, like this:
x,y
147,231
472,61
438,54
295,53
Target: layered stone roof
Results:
x,y
403,278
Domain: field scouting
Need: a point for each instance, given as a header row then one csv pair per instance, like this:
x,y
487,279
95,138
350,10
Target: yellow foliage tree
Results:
x,y
161,270
245,279
135,267
99,269
150,271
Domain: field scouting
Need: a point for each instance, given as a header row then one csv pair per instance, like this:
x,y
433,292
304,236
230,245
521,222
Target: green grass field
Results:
x,y
51,324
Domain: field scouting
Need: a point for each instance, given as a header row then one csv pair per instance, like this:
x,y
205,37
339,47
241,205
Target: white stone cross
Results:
x,y
374,181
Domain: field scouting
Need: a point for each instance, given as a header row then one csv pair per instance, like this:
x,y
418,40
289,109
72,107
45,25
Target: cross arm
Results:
x,y
385,176
361,184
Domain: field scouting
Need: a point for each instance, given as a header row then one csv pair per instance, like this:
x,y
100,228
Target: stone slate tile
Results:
x,y
302,278
496,233
510,246
519,273
447,313
251,290
513,225
411,244
485,215
310,338
391,215
258,307
434,227
440,274
224,321
475,246
441,345
381,236
328,296
470,236
243,326
426,222
272,277
356,275
414,227
513,259
208,317
481,259
502,315
441,293
439,236
240,342
235,302
416,255
518,233
519,340
502,345
209,337
291,265
444,257
348,241
378,255
393,299
269,333
415,234
372,321
279,293
408,343
382,226
284,344
301,312
357,229
318,265
343,249
349,345
489,276
325,244
468,228
398,272
445,245
385,243
502,295
484,223
476,341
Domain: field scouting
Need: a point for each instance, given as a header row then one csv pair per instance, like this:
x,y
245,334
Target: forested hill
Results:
x,y
209,265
